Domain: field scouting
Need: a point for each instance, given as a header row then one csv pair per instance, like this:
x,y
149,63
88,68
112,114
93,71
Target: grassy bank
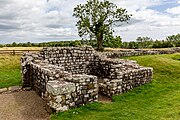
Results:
x,y
159,100
9,70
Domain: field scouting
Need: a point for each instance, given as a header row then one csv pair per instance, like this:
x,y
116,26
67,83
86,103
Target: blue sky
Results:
x,y
165,6
42,21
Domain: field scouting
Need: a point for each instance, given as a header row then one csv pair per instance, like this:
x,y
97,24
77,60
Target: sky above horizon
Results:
x,y
52,20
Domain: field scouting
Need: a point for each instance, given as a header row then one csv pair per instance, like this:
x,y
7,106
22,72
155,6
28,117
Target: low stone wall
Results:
x,y
125,81
139,52
68,77
119,76
75,91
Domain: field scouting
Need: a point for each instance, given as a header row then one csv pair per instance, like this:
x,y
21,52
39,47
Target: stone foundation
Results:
x,y
68,77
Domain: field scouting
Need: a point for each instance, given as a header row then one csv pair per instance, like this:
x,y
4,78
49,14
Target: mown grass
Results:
x,y
9,70
158,100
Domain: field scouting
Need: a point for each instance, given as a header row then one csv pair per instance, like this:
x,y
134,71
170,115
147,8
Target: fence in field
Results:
x,y
16,52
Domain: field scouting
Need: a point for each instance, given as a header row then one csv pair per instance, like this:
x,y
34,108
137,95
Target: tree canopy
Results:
x,y
95,19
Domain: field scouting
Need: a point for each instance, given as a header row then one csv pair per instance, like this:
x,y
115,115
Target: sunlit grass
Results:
x,y
9,70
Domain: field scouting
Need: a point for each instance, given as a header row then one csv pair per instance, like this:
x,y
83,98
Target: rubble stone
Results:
x,y
139,52
14,88
2,90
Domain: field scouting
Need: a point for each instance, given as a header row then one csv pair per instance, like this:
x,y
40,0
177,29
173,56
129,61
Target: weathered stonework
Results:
x,y
139,52
67,77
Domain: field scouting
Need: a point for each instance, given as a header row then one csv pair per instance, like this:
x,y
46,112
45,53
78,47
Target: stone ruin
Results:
x,y
139,52
68,77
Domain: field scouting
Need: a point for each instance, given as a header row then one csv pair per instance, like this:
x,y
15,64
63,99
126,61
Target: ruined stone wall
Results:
x,y
70,77
119,76
61,89
122,82
42,73
73,91
139,52
76,60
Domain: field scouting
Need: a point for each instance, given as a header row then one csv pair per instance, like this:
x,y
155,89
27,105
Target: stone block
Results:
x,y
14,88
59,88
2,90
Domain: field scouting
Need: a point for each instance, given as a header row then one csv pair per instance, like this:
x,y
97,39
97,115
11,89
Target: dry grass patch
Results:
x,y
21,48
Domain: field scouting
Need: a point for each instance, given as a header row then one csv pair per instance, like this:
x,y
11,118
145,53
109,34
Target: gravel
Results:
x,y
23,105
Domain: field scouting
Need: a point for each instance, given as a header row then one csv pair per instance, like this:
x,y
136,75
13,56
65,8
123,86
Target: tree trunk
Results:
x,y
100,42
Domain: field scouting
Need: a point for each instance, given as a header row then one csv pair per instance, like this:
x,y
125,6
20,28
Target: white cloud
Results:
x,y
133,5
152,23
174,10
23,21
36,20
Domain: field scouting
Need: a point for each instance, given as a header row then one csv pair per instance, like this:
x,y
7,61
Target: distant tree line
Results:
x,y
113,42
147,42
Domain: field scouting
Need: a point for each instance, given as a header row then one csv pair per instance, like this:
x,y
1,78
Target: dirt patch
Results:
x,y
104,99
23,105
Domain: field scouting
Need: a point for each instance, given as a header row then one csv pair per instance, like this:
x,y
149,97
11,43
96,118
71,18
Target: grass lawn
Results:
x,y
158,100
9,70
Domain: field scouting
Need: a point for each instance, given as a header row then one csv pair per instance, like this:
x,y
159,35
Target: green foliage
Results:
x,y
174,40
147,42
144,42
48,44
113,42
162,44
95,19
14,44
158,100
1,45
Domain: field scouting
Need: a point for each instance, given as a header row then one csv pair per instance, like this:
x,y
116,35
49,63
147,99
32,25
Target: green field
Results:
x,y
9,70
159,100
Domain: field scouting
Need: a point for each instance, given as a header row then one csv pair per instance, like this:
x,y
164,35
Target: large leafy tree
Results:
x,y
95,18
